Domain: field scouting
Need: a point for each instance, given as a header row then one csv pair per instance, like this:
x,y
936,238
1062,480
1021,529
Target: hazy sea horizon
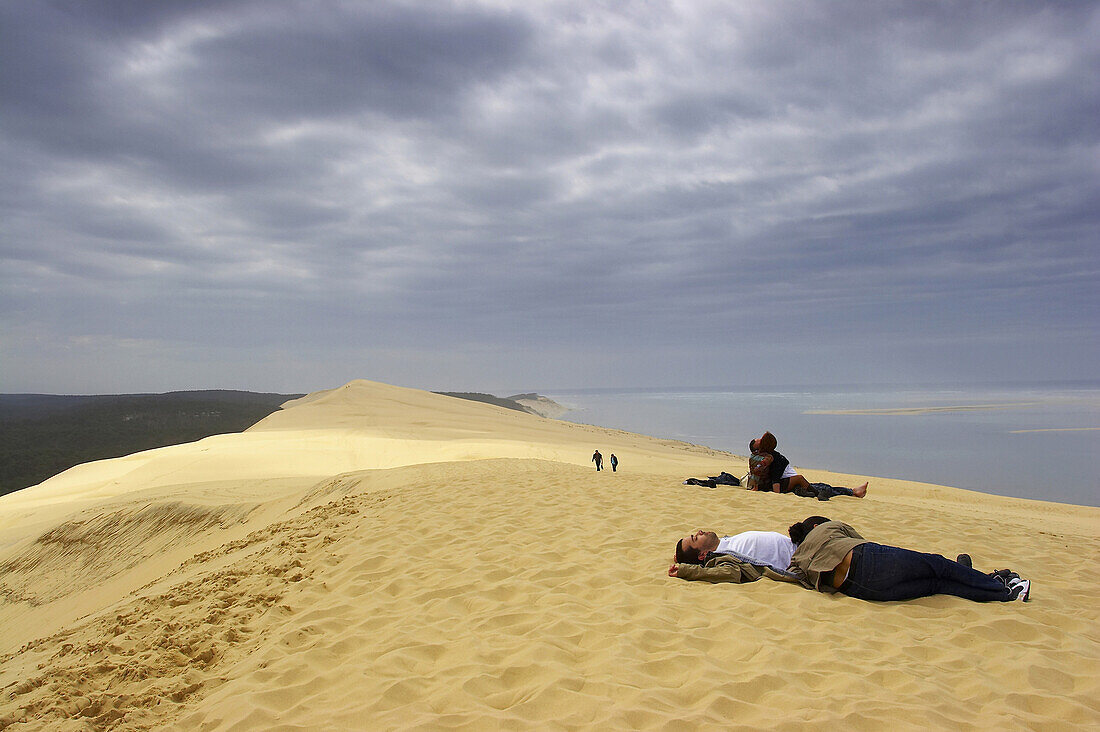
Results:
x,y
1029,440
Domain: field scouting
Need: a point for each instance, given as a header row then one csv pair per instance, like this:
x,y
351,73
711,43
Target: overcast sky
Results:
x,y
492,196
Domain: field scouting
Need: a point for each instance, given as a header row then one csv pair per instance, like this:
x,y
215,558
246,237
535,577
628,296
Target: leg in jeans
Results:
x,y
890,573
824,491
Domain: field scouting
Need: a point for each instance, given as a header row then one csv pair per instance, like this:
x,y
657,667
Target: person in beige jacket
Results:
x,y
833,557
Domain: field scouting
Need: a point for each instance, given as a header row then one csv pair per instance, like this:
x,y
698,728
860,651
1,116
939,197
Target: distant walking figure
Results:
x,y
598,459
614,463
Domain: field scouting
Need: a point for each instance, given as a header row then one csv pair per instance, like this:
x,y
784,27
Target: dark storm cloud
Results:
x,y
394,61
391,178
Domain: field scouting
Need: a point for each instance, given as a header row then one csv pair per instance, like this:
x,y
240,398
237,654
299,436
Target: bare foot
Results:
x,y
860,492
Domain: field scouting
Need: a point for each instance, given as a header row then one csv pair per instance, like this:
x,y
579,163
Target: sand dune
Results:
x,y
380,558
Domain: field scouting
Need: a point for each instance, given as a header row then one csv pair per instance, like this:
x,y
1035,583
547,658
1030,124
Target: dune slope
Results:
x,y
373,557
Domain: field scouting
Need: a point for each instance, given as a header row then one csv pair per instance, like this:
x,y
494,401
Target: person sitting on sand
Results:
x,y
740,558
770,470
833,557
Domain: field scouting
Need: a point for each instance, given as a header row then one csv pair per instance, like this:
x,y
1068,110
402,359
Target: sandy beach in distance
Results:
x,y
374,557
895,411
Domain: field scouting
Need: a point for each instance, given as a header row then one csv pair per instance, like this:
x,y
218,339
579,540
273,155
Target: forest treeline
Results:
x,y
43,434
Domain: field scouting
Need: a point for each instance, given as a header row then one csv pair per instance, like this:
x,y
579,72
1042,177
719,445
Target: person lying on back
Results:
x,y
744,557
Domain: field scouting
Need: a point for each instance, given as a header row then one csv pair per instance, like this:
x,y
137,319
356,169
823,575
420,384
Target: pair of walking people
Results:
x,y
598,459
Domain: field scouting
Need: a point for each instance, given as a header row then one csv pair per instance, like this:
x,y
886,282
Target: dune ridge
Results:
x,y
373,557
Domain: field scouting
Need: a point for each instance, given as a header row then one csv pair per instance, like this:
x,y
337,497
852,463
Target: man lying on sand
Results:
x,y
744,557
763,547
769,470
830,556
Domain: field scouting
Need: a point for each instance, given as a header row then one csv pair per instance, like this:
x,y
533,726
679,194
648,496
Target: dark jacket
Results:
x,y
779,464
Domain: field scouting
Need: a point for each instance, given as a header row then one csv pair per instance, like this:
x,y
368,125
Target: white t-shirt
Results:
x,y
766,547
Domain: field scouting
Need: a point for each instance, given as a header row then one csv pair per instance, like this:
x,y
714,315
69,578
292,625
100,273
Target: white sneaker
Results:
x,y
1019,589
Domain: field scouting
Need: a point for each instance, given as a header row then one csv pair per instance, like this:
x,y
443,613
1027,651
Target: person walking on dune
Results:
x,y
614,463
598,459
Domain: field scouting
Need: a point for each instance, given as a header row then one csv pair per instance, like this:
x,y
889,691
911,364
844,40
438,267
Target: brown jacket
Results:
x,y
822,550
728,568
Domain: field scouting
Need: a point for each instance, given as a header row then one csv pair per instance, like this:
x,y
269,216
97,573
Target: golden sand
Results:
x,y
382,558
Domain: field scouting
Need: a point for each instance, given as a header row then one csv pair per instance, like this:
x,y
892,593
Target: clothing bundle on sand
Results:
x,y
722,478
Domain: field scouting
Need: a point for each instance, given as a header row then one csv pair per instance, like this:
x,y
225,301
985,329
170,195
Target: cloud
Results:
x,y
403,177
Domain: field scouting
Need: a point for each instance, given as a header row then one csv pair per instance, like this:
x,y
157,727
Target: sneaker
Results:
x,y
1019,589
1004,575
965,560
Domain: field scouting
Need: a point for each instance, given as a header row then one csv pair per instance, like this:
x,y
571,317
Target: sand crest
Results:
x,y
380,558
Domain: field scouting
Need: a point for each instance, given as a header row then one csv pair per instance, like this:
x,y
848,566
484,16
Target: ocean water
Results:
x,y
1030,441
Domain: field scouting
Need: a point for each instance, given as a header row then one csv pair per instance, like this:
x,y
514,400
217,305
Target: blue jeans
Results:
x,y
889,573
826,491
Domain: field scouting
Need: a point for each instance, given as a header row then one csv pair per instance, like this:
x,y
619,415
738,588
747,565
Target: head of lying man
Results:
x,y
693,549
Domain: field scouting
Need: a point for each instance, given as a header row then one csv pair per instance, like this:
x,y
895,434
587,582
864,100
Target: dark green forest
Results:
x,y
475,396
41,434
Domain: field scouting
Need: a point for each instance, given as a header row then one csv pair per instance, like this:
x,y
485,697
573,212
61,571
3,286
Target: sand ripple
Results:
x,y
527,595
